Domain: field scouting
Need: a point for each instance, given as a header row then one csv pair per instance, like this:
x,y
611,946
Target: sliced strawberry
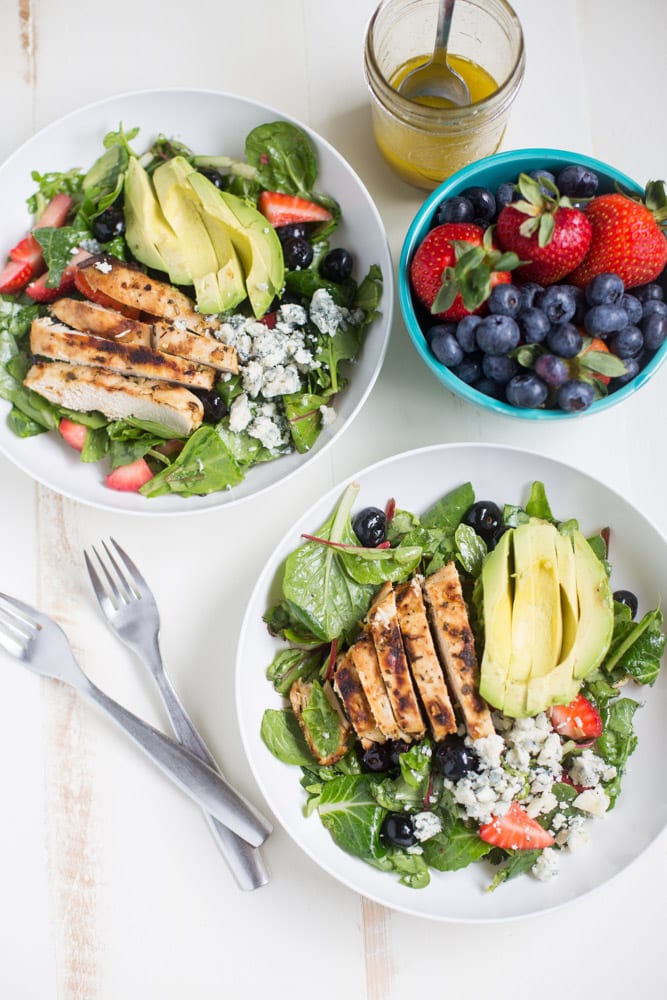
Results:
x,y
39,291
73,433
284,209
14,277
129,478
56,212
269,319
577,721
83,285
515,831
27,250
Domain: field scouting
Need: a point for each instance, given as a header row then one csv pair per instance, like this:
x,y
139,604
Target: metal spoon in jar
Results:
x,y
436,78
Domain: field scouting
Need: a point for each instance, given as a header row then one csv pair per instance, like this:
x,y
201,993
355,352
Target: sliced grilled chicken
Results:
x,y
205,349
89,317
423,659
132,287
383,626
365,661
454,640
349,689
84,388
54,340
299,697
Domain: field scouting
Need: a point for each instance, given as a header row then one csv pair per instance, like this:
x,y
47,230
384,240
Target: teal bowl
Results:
x,y
491,172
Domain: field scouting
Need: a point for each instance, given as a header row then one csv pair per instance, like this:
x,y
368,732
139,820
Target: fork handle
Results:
x,y
191,774
245,862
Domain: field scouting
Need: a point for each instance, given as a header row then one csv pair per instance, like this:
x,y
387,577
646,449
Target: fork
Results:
x,y
38,642
130,609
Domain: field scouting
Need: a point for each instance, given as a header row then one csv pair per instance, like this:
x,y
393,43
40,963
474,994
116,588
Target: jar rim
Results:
x,y
424,116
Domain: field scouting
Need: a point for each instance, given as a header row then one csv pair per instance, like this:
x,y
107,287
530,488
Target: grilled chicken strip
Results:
x,y
84,388
454,640
299,696
132,287
365,661
423,659
205,349
384,629
54,340
89,317
349,689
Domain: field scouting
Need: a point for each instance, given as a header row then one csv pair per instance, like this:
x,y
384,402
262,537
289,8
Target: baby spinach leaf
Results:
x,y
203,466
448,512
637,647
304,418
456,849
471,549
538,505
321,721
290,664
284,158
618,741
411,867
415,765
282,735
58,244
518,863
395,794
352,816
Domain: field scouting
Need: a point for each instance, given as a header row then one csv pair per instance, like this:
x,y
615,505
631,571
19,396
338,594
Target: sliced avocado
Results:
x,y
179,209
255,241
596,609
230,278
537,628
594,629
569,600
147,231
497,591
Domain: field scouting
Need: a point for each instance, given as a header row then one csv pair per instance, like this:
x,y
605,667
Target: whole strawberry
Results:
x,y
548,234
628,237
455,267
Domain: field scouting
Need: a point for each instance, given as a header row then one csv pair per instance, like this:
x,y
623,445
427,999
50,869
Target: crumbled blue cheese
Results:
x,y
588,770
103,265
594,801
546,866
239,414
426,825
324,312
269,426
328,415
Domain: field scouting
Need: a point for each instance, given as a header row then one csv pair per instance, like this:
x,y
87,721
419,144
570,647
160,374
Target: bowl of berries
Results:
x,y
533,283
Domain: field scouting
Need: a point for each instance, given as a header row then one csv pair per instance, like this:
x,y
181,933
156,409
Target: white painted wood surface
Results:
x,y
110,885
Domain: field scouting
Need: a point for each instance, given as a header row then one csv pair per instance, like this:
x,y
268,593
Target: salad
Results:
x,y
182,317
404,762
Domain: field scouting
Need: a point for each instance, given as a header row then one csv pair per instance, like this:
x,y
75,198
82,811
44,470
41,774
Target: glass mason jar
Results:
x,y
425,144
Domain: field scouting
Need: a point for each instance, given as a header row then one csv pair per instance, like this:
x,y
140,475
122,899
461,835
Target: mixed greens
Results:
x,y
327,585
279,157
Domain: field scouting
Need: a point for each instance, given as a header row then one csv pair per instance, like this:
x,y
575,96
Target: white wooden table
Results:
x,y
110,884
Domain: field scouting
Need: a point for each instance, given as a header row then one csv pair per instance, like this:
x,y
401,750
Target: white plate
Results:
x,y
208,122
639,556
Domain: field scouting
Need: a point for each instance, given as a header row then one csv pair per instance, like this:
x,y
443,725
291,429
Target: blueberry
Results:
x,y
526,391
602,320
483,202
337,265
497,334
576,181
632,306
500,367
488,387
398,829
505,194
297,230
439,328
215,407
541,176
529,292
552,370
654,329
484,517
297,253
604,288
533,324
574,396
215,177
455,209
396,748
446,348
505,300
454,759
631,369
628,342
110,222
370,527
465,333
652,306
377,758
565,340
650,291
469,371
558,303
629,599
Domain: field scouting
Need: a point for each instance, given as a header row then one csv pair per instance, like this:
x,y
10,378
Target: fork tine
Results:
x,y
15,628
99,588
137,578
29,615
